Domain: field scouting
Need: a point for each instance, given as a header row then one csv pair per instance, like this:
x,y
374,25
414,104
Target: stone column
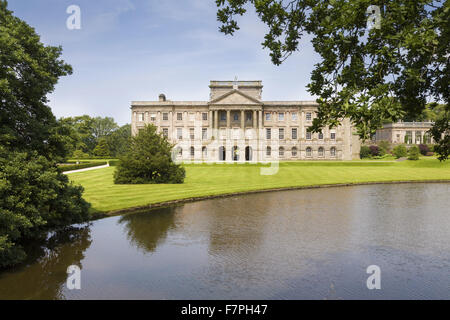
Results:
x,y
260,136
242,119
254,119
228,135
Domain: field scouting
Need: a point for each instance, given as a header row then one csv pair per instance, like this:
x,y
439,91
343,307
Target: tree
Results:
x,y
148,161
386,72
102,150
102,127
34,194
119,141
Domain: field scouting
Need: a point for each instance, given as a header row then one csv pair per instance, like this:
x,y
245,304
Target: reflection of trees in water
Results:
x,y
147,230
43,275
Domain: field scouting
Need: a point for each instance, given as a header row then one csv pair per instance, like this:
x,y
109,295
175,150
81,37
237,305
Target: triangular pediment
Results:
x,y
235,96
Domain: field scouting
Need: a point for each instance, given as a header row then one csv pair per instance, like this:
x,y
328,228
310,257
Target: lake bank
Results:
x,y
217,180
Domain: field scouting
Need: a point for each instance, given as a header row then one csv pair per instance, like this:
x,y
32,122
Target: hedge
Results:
x,y
71,167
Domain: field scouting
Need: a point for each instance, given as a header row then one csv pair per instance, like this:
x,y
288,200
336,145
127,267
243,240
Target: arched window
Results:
x,y
321,152
294,151
308,152
192,152
235,153
333,152
281,152
204,152
268,151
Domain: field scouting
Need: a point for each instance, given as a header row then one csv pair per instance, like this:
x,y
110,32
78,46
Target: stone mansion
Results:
x,y
237,125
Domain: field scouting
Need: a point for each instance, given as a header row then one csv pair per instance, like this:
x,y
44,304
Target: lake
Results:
x,y
302,244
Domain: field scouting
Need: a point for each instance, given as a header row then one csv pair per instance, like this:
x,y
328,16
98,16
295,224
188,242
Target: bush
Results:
x,y
400,151
384,147
34,196
149,160
71,167
374,151
364,152
424,149
413,153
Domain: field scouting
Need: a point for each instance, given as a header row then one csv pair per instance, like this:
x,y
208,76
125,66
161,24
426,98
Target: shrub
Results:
x,y
34,196
424,149
364,152
400,151
149,160
374,150
384,147
413,153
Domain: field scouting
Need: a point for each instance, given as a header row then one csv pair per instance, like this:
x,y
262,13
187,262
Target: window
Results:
x,y
294,133
333,136
294,151
180,133
236,116
191,133
268,151
179,116
281,116
223,116
308,135
308,152
204,133
321,152
308,116
267,116
281,133
179,152
204,152
192,152
204,116
191,116
294,116
166,132
165,116
320,135
281,152
140,117
249,116
333,152
268,133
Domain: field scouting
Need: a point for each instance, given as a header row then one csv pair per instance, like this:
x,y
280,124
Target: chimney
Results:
x,y
162,97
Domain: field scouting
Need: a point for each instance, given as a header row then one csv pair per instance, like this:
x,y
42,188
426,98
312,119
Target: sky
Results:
x,y
132,50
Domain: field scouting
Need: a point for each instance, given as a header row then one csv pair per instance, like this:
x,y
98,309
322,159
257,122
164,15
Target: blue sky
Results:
x,y
135,49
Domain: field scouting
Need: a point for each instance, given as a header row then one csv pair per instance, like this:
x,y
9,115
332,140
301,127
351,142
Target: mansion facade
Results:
x,y
237,125
405,132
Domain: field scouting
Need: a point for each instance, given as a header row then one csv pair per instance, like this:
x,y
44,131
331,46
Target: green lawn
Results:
x,y
209,179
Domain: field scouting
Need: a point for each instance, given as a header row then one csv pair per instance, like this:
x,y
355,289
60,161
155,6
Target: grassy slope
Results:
x,y
215,179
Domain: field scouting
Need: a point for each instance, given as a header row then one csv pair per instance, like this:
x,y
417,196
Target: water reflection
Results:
x,y
304,244
147,231
43,275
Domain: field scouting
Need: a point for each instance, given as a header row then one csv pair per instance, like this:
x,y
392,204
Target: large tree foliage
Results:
x,y
86,133
366,74
34,194
149,160
28,72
